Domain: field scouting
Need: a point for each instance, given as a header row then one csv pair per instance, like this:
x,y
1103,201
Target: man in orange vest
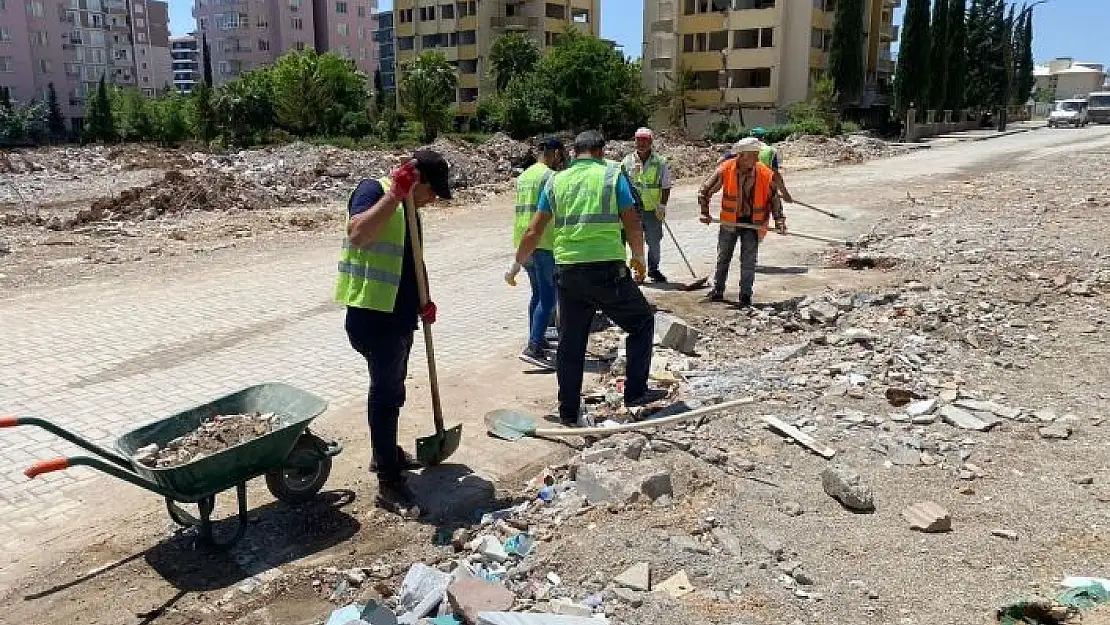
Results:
x,y
749,198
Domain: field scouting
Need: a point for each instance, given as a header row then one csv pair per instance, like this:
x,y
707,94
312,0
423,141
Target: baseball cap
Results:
x,y
550,143
747,144
433,169
645,133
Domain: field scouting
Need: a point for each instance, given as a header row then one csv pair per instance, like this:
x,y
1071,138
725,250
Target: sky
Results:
x,y
1075,28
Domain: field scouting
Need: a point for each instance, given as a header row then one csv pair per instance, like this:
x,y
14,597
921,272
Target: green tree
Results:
x,y
169,114
313,93
428,91
133,115
938,55
911,82
1024,79
520,108
986,51
676,96
512,55
206,60
244,107
956,64
56,122
201,112
100,123
846,61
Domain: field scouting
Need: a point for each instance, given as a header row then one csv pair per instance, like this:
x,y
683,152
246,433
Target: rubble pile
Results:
x,y
214,435
846,149
686,159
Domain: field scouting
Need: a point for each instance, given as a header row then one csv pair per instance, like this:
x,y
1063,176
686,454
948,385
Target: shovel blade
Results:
x,y
695,285
434,449
509,425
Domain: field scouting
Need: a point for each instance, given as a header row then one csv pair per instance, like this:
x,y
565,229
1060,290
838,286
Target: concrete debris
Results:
x,y
921,408
849,488
567,607
989,407
421,591
532,618
636,577
963,419
212,436
787,352
928,517
471,597
676,586
675,333
1056,431
1004,533
657,485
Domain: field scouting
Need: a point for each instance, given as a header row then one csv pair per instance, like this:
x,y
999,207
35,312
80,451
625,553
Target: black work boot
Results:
x,y
657,276
394,494
405,462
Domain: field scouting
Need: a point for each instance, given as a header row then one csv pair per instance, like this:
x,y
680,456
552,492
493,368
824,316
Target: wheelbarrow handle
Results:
x,y
9,422
47,466
60,432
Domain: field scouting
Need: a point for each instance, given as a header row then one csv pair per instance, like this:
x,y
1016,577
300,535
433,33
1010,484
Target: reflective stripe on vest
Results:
x,y
528,188
649,179
731,211
587,220
369,276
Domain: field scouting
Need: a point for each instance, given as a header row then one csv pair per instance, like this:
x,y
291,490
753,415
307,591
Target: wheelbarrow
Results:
x,y
295,462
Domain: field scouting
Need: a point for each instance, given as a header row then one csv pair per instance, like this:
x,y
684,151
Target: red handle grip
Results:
x,y
9,422
46,466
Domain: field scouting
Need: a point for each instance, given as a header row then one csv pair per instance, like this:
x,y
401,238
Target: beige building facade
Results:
x,y
755,56
464,31
1067,78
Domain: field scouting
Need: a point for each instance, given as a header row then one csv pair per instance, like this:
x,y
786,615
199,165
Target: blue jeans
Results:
x,y
541,274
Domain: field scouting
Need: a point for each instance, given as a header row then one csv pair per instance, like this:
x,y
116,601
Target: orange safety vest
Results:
x,y
730,195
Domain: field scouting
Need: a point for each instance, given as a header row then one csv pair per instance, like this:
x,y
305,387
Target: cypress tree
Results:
x,y
206,60
955,68
938,55
1025,79
911,82
979,90
846,62
56,122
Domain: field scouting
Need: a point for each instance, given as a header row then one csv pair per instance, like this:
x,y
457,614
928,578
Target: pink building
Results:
x,y
346,28
72,43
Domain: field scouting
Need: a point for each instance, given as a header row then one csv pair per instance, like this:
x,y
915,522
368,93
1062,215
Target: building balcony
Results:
x,y
889,32
662,26
515,23
892,4
662,62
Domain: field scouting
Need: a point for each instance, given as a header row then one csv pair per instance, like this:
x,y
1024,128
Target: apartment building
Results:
x,y
464,31
74,42
755,56
186,62
1067,78
383,37
247,34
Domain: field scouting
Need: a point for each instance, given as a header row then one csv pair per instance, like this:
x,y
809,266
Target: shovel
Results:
x,y
434,449
698,282
819,210
792,233
513,425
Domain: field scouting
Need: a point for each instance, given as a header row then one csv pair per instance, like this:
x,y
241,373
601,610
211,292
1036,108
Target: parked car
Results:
x,y
1070,112
1098,107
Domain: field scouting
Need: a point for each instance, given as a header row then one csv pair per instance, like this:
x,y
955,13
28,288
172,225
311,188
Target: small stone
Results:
x,y
859,335
472,596
963,419
905,457
675,333
770,543
1007,534
150,213
928,517
629,596
792,509
633,448
1084,480
599,454
848,487
657,485
676,586
921,408
567,607
1056,431
686,543
355,577
801,577
1045,415
787,352
636,577
729,542
824,312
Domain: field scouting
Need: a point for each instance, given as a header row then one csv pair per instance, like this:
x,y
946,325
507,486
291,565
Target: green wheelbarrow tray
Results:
x,y
296,462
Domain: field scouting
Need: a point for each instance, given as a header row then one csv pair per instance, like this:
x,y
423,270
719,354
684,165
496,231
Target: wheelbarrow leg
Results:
x,y
204,523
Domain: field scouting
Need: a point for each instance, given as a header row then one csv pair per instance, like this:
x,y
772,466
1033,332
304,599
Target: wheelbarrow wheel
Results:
x,y
307,472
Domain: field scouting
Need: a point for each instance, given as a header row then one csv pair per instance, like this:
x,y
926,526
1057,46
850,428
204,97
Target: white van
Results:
x,y
1070,112
1098,107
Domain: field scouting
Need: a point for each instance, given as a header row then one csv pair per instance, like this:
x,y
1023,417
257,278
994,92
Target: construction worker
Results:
x,y
377,284
541,264
588,204
651,176
749,196
770,157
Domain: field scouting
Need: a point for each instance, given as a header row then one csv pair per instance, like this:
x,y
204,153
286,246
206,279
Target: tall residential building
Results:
x,y
758,56
71,44
383,37
248,34
1067,78
464,31
185,53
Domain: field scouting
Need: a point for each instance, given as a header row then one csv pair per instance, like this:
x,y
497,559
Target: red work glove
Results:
x,y
428,313
404,179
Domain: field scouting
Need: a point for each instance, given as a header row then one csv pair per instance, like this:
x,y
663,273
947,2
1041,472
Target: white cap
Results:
x,y
747,144
644,133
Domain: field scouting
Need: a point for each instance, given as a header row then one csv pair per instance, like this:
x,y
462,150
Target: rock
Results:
x,y
848,487
963,419
657,485
636,577
928,517
676,586
904,456
921,408
472,596
598,485
859,335
769,542
421,591
150,213
675,333
792,509
355,577
491,548
629,596
1084,480
566,607
989,406
598,454
824,312
1045,415
1056,431
729,542
1007,534
787,352
900,396
686,543
633,448
801,577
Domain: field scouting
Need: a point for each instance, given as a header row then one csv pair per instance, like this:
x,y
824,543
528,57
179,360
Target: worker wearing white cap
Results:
x,y
651,178
749,197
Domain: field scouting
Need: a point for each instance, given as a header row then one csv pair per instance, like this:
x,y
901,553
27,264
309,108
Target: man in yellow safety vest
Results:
x,y
377,284
589,204
651,176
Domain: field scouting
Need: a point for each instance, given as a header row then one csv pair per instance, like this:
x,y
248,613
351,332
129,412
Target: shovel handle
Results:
x,y
650,423
425,297
819,210
789,233
679,248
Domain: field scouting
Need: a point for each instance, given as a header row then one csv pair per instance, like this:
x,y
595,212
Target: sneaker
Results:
x,y
650,396
715,296
407,462
551,335
657,276
534,355
394,494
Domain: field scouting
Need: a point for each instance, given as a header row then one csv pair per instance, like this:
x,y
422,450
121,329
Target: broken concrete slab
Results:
x,y
975,405
421,591
787,352
598,454
657,485
636,577
567,607
676,586
849,488
470,597
675,333
533,618
1056,431
928,517
599,485
729,542
922,407
963,419
633,598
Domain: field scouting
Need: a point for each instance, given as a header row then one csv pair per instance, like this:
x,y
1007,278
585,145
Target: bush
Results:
x,y
849,127
724,130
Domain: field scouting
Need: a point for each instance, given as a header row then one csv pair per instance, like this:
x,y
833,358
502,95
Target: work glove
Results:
x,y
404,178
705,217
639,268
428,313
780,225
661,212
510,275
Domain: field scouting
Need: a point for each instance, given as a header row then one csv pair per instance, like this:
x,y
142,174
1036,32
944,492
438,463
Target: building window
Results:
x,y
39,38
35,9
718,40
299,46
555,11
700,42
580,16
120,54
467,8
742,5
296,23
345,52
343,29
361,11
405,16
767,37
262,22
825,5
341,8
427,14
3,5
468,66
406,43
468,94
688,43
705,81
44,66
468,37
447,11
756,78
5,34
202,22
753,38
820,39
138,7
263,45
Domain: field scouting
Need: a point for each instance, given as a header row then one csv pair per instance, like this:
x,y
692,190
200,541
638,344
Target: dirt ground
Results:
x,y
993,283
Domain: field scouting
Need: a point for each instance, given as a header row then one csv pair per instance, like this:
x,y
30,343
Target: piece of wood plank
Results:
x,y
805,440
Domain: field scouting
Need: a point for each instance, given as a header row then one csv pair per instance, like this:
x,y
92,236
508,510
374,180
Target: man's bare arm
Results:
x,y
365,228
532,236
634,230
